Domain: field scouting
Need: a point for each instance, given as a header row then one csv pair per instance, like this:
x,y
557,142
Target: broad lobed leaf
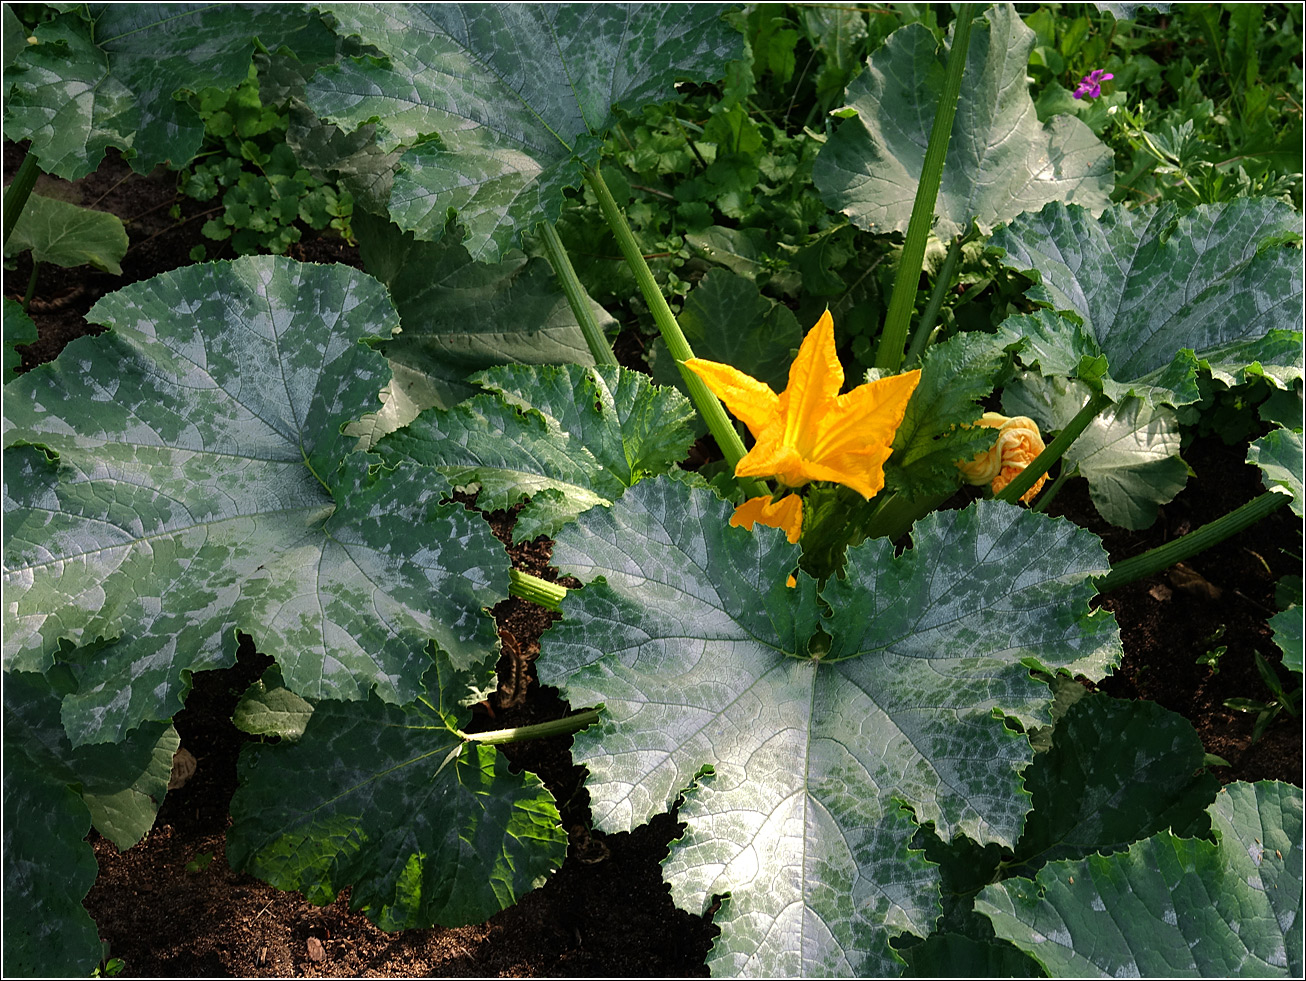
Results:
x,y
567,436
1001,161
205,485
794,759
390,801
518,94
106,74
1160,295
1172,906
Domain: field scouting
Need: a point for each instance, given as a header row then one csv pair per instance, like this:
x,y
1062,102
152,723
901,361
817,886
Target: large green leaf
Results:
x,y
423,827
106,74
1000,160
1159,295
122,784
727,319
516,96
69,235
199,488
49,869
1118,771
797,735
1129,453
460,317
1169,906
569,437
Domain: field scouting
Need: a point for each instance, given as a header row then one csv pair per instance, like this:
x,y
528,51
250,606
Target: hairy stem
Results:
x,y
1212,533
576,295
547,594
718,423
921,337
889,354
540,730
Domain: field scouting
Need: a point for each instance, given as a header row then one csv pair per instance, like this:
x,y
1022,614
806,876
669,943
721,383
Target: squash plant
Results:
x,y
880,758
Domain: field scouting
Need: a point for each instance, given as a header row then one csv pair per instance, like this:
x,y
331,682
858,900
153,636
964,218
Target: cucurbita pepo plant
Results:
x,y
880,758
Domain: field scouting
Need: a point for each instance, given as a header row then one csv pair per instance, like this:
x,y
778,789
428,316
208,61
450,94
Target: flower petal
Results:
x,y
815,378
786,514
749,400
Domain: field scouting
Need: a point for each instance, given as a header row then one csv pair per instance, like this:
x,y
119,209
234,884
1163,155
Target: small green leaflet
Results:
x,y
1279,455
69,235
795,761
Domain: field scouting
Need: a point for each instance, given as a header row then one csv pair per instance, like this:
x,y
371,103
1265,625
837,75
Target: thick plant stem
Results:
x,y
576,296
18,191
920,338
889,354
540,730
547,594
1212,533
1054,450
718,423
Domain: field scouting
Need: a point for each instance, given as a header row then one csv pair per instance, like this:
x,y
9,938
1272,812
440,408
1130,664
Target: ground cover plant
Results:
x,y
869,707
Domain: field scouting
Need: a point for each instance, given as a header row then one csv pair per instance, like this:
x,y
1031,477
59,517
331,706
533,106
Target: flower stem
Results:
x,y
547,594
718,423
1212,533
539,730
18,191
920,338
576,295
889,354
1028,477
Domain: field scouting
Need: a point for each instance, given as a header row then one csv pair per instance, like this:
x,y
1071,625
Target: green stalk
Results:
x,y
1212,533
540,730
18,191
1050,493
889,354
1054,450
576,296
31,284
920,339
718,423
547,594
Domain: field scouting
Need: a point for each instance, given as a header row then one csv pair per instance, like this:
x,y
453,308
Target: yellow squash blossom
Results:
x,y
1017,444
809,431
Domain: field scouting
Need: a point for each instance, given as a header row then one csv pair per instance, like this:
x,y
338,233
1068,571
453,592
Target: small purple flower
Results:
x,y
1091,84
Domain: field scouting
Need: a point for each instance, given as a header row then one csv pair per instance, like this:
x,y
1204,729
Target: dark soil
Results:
x,y
606,913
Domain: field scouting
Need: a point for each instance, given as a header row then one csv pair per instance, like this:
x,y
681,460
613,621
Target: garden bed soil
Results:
x,y
171,907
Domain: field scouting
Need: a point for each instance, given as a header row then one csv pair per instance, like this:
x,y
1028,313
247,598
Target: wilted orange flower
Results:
x,y
811,432
1017,444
